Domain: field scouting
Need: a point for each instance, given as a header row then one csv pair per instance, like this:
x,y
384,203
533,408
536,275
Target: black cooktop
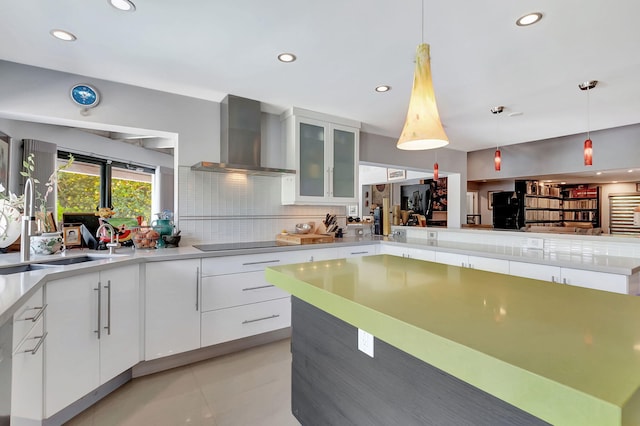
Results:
x,y
237,246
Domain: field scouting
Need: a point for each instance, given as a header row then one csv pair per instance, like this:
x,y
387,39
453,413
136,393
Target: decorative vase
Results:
x,y
10,224
47,243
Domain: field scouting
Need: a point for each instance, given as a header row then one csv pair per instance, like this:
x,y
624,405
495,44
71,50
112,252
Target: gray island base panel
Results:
x,y
333,383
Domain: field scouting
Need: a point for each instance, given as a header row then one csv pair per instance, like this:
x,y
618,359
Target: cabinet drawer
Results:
x,y
356,251
229,324
27,316
245,263
225,291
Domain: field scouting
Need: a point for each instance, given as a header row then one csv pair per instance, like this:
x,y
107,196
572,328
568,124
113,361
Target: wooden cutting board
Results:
x,y
304,238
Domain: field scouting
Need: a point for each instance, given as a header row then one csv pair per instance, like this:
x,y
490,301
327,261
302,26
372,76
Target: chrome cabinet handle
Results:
x,y
108,327
359,252
331,181
197,288
99,310
258,287
37,346
261,262
38,315
260,319
564,281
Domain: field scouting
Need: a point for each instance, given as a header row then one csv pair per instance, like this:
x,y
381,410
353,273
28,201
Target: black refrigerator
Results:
x,y
508,210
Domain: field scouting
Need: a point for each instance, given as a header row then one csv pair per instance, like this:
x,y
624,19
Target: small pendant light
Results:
x,y
497,157
435,167
588,144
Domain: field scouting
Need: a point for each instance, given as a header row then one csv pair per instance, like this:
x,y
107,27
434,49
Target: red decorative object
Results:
x,y
435,171
588,152
497,160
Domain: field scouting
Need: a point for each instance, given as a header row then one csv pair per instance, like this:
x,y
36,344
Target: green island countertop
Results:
x,y
568,355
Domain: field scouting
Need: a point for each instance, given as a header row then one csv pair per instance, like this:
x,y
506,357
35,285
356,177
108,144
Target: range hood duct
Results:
x,y
240,140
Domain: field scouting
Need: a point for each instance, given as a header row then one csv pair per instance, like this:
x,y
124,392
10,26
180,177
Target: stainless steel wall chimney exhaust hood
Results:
x,y
240,140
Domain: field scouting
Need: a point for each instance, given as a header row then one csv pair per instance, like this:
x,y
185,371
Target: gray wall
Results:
x,y
617,148
381,150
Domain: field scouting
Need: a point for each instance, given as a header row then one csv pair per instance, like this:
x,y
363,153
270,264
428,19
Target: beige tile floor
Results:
x,y
252,387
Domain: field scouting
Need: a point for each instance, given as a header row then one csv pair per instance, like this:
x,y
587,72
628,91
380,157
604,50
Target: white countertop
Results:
x,y
17,288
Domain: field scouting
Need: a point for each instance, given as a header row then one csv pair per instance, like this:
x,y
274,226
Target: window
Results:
x,y
92,182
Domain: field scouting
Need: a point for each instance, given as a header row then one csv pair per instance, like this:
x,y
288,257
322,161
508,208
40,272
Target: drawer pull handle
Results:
x,y
258,287
260,263
35,349
99,310
38,315
260,319
359,252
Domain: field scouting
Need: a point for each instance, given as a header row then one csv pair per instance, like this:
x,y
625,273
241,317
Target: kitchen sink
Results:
x,y
16,269
70,260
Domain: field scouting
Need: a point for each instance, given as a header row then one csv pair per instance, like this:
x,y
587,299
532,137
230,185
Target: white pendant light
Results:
x,y
422,128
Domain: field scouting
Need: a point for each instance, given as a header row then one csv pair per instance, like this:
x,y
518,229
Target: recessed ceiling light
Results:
x,y
563,183
125,5
615,181
529,19
630,171
598,173
383,88
286,57
63,35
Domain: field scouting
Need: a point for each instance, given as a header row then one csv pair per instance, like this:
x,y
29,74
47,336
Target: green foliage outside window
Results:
x,y
80,193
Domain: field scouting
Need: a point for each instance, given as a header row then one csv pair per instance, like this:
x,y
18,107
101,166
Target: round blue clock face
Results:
x,y
85,95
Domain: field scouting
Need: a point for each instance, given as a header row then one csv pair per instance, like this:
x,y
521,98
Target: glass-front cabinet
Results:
x,y
324,152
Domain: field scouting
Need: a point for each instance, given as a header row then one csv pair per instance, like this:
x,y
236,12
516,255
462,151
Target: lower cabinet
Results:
x,y
172,308
233,323
614,283
409,252
27,369
357,251
93,333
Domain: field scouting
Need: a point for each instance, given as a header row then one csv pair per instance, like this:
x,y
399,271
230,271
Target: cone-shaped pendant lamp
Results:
x,y
422,129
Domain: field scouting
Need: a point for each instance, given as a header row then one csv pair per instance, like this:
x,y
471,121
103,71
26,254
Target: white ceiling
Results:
x,y
480,58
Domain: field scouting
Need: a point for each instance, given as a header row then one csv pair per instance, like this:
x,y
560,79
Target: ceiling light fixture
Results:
x,y
287,57
124,5
422,128
598,173
497,158
383,88
588,144
63,35
529,19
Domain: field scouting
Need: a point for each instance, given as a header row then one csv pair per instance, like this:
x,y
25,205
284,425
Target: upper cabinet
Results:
x,y
324,152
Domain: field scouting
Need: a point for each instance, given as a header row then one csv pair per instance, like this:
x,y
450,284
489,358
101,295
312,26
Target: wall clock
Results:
x,y
85,96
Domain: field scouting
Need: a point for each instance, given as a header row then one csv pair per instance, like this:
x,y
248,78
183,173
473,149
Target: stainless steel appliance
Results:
x,y
378,218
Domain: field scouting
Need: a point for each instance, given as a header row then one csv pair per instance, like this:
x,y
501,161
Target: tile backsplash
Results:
x,y
230,207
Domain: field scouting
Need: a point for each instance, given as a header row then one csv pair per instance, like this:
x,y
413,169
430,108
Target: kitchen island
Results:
x,y
532,351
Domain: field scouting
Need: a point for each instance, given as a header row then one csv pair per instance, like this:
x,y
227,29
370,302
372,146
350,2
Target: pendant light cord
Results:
x,y
422,16
588,115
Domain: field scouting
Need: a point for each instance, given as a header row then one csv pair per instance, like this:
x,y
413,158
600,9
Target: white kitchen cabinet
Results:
x,y
93,333
535,271
27,370
324,152
223,325
120,320
474,262
408,252
357,251
172,309
596,280
225,291
72,360
499,266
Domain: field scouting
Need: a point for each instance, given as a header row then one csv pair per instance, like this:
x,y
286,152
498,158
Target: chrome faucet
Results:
x,y
27,221
111,244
